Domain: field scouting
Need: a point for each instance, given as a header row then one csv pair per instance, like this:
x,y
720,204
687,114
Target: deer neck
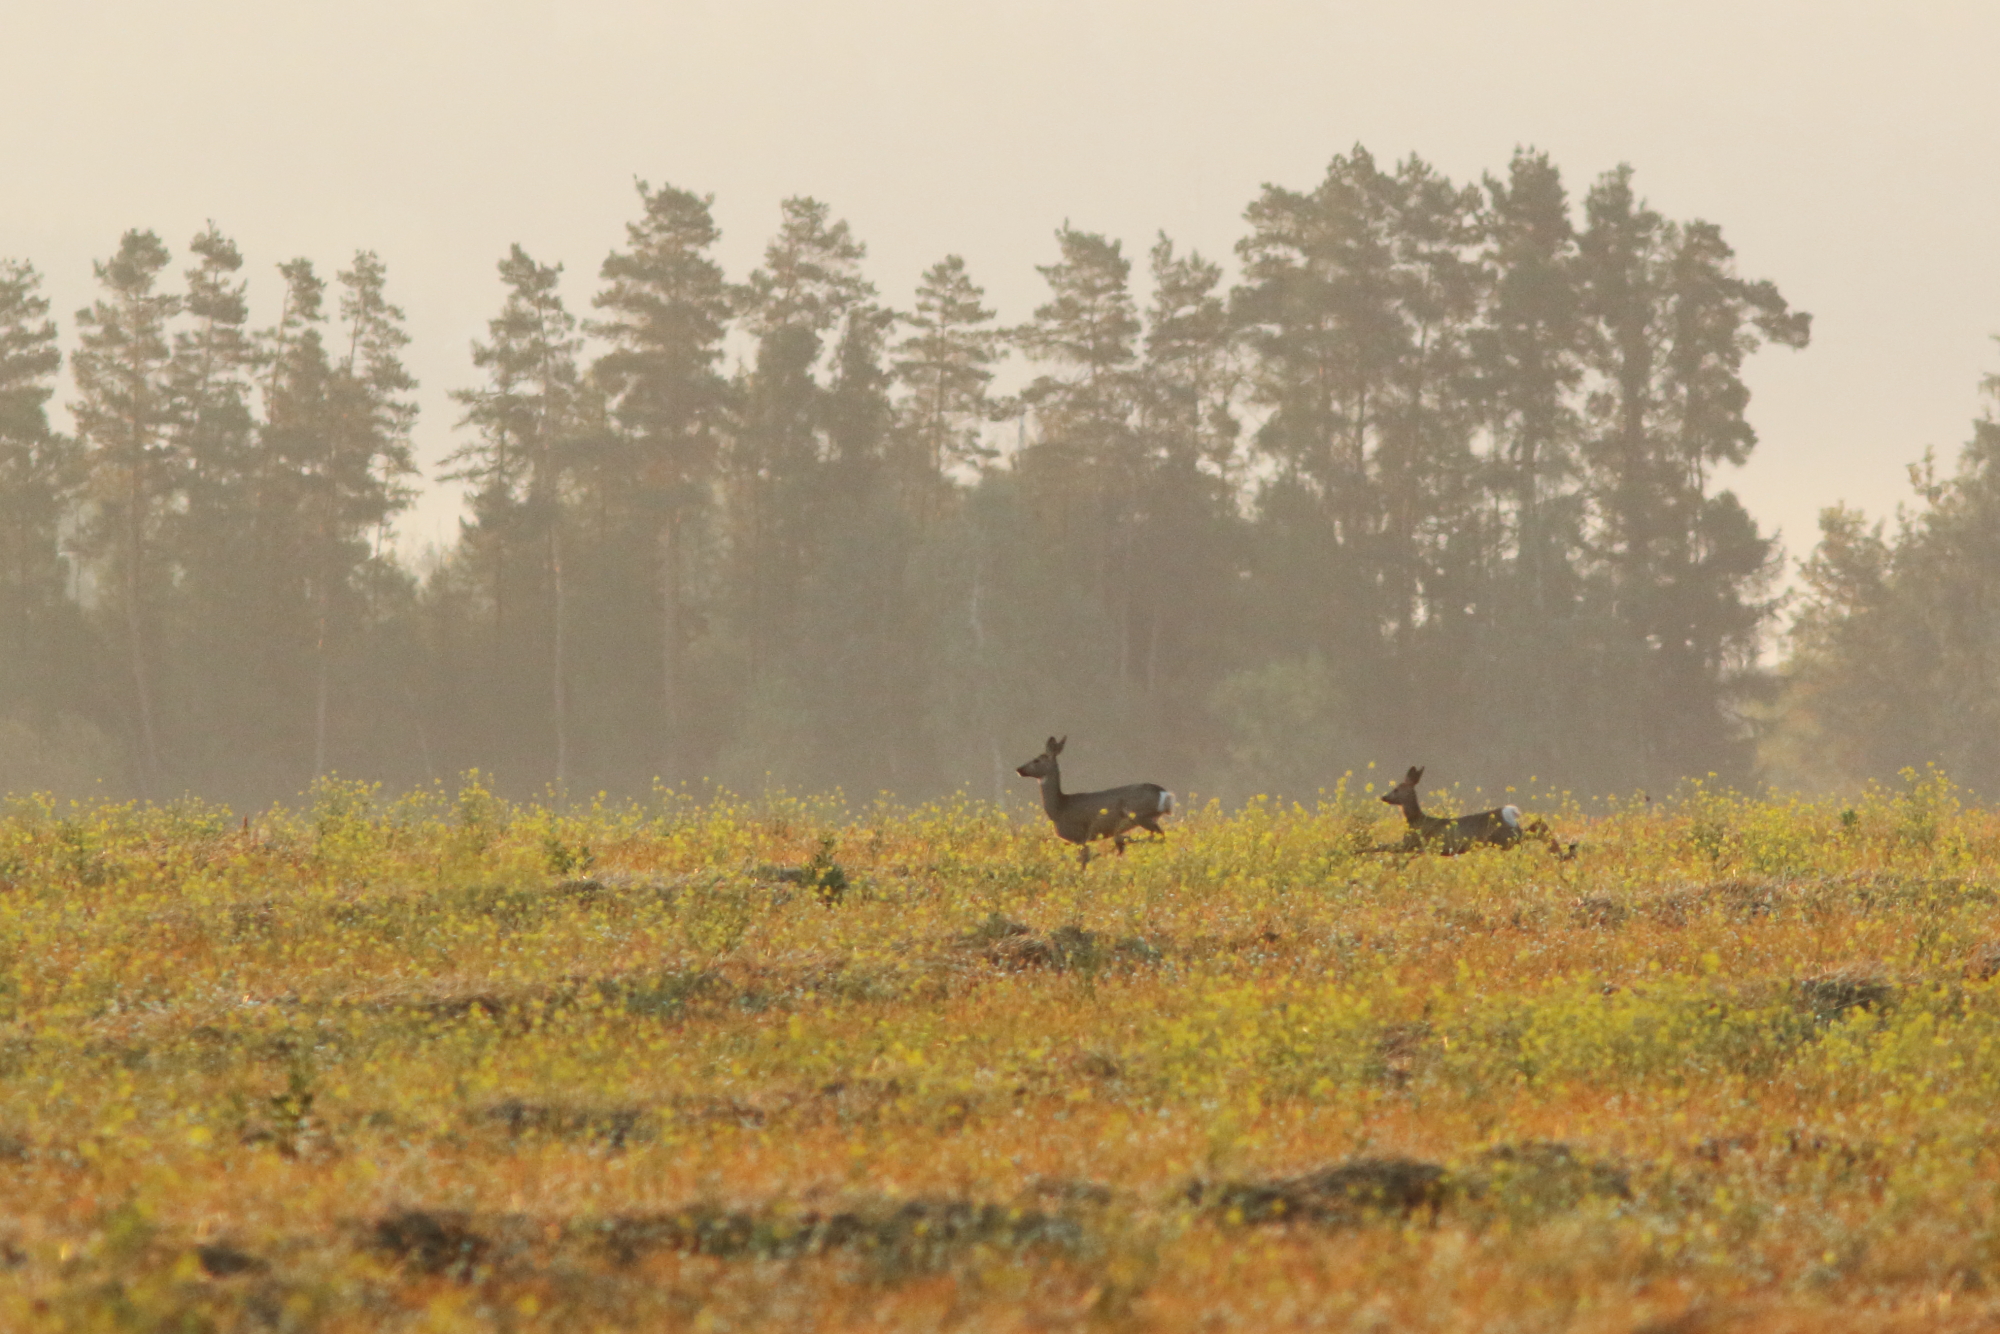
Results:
x,y
1413,814
1052,793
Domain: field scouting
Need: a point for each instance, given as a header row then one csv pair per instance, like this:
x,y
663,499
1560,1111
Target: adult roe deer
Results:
x,y
1500,827
1081,817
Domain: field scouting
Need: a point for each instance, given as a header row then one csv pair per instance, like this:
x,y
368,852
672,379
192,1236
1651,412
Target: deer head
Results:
x,y
1405,792
1043,764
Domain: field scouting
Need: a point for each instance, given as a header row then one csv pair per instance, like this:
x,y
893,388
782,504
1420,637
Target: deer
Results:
x,y
1501,827
1082,817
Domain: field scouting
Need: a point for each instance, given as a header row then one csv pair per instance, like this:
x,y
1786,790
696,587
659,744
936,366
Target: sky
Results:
x,y
1848,151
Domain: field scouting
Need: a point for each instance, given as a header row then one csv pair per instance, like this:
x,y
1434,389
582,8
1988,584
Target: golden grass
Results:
x,y
448,1063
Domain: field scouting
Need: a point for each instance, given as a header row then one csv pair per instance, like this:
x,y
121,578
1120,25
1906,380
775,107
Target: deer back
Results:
x,y
1110,812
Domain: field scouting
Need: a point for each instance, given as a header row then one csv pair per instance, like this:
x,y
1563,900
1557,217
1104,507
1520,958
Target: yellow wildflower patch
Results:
x,y
448,1061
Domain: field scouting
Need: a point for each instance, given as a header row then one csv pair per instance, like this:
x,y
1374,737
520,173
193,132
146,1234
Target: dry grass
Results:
x,y
451,1064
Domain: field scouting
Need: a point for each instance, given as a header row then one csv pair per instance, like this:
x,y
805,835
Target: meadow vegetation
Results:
x,y
448,1062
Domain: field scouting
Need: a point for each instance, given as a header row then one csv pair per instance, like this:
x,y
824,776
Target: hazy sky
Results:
x,y
1850,152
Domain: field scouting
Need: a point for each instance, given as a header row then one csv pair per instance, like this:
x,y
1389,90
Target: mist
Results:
x,y
1501,460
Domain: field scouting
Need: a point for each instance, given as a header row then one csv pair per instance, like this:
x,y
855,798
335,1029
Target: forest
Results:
x,y
1431,474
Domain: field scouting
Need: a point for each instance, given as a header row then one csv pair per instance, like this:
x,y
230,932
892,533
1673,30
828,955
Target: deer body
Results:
x,y
1083,817
1501,827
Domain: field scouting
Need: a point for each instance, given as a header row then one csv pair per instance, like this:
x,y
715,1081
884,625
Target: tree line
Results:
x,y
1895,652
1434,479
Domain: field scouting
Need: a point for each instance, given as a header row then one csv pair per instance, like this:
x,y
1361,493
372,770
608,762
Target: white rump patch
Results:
x,y
1512,815
1166,803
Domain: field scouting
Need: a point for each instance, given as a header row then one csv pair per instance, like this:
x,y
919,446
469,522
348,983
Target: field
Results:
x,y
449,1063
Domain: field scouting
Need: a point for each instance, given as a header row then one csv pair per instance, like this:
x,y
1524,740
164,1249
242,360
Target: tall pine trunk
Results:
x,y
149,758
670,643
559,668
320,694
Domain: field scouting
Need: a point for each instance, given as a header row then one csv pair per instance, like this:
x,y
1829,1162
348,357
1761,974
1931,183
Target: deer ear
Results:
x,y
1055,745
1416,773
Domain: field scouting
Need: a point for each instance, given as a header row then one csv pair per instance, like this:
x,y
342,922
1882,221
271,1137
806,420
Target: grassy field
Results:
x,y
448,1063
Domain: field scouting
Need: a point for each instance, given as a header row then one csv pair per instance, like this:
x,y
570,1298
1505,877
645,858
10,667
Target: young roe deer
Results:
x,y
1500,827
1081,817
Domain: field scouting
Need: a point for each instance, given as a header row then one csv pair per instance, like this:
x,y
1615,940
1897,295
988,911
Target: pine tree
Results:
x,y
530,386
1622,253
1530,360
1318,305
813,525
857,413
213,363
1629,484
527,418
360,484
211,534
1717,319
1532,646
1860,679
667,308
1675,572
1433,549
37,466
946,367
125,415
1084,463
1321,309
328,474
811,275
1707,613
853,656
1190,376
287,518
1895,655
808,287
1087,335
1188,540
40,474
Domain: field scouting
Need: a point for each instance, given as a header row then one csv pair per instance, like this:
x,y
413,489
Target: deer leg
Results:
x,y
1119,843
1083,855
1540,829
